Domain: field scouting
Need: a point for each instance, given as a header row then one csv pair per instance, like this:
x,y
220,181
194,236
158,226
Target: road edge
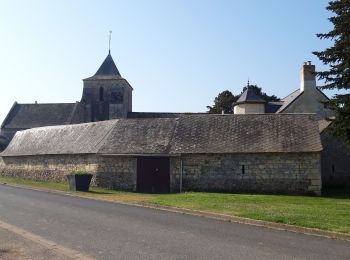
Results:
x,y
211,215
51,245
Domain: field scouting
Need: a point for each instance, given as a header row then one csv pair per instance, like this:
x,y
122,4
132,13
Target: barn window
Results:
x,y
101,93
333,169
243,168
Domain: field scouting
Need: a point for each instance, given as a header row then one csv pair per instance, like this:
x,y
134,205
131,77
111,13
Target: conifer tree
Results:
x,y
337,57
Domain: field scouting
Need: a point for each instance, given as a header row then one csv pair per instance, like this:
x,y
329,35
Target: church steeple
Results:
x,y
108,67
106,95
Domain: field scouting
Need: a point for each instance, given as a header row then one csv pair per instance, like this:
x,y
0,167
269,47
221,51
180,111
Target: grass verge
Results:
x,y
329,212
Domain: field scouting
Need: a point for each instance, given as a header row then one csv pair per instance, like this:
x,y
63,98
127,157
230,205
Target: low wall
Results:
x,y
262,173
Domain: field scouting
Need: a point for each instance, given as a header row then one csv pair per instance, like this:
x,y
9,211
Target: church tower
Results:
x,y
106,95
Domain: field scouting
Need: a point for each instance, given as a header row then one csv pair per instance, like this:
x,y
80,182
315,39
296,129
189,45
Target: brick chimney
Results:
x,y
307,77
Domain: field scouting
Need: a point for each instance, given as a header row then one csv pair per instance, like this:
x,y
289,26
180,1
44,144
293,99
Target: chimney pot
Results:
x,y
309,62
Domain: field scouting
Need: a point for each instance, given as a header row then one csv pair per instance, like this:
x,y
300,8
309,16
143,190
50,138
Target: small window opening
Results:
x,y
333,169
243,169
101,93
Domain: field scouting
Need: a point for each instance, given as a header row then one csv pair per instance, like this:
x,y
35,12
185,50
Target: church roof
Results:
x,y
107,70
186,134
249,96
23,116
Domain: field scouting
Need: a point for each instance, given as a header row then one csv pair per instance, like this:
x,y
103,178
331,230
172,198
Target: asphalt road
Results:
x,y
112,231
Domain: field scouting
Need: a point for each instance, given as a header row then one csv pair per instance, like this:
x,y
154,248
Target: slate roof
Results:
x,y
323,124
273,106
289,100
274,133
107,70
249,96
140,136
187,134
23,116
70,139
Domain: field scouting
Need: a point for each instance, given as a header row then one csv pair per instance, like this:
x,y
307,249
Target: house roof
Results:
x,y
249,96
262,133
288,100
23,116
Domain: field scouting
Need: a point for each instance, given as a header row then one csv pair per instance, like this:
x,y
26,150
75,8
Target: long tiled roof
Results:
x,y
70,139
263,133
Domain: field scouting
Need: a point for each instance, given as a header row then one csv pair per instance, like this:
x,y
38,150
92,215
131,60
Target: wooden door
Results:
x,y
153,174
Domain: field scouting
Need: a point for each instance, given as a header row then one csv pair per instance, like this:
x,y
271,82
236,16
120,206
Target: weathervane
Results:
x,y
109,46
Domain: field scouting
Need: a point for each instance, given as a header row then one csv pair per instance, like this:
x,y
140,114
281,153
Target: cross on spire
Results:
x,y
109,46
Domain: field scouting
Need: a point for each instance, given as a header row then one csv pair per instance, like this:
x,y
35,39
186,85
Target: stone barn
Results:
x,y
264,153
263,147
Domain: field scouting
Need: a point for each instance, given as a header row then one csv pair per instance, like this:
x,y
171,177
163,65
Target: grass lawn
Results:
x,y
329,212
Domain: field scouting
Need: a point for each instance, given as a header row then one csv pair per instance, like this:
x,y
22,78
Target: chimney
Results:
x,y
307,77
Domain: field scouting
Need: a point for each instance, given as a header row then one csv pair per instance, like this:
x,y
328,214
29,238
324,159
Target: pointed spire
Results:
x,y
249,96
108,68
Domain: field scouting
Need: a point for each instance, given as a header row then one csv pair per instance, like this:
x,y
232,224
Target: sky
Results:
x,y
177,55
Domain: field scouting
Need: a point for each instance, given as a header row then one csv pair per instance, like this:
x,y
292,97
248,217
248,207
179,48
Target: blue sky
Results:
x,y
178,55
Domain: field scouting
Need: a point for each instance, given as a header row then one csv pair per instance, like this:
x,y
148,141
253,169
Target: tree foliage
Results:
x,y
337,76
224,101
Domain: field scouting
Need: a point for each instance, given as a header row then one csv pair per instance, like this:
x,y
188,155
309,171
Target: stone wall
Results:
x,y
117,172
110,172
48,167
263,173
335,162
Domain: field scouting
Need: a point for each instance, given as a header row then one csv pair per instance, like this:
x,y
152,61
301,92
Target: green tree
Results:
x,y
223,102
337,76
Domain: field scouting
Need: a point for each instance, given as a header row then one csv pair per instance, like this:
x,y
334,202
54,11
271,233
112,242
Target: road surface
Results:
x,y
106,230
